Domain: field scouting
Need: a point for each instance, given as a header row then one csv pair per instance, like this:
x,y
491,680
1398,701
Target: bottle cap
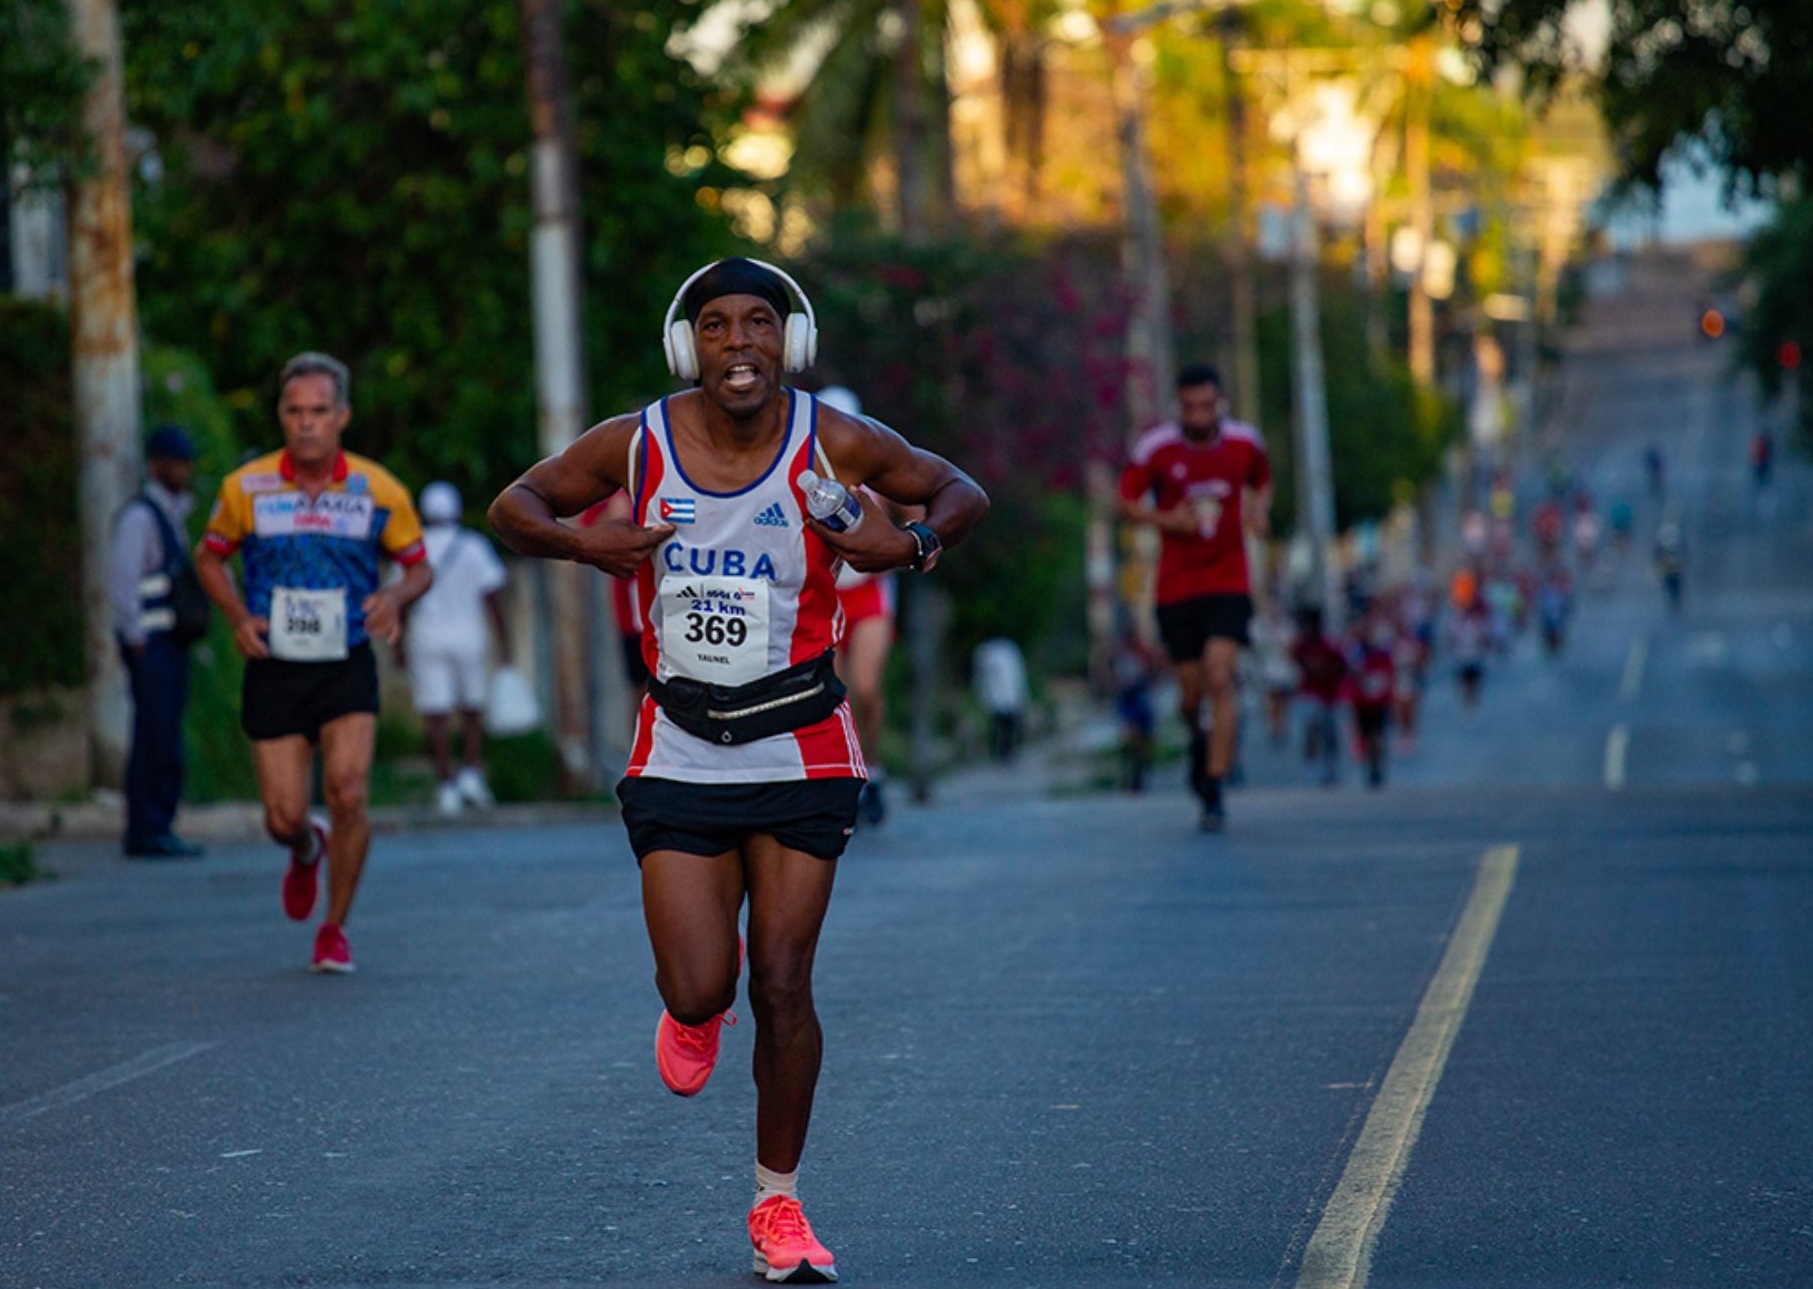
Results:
x,y
807,480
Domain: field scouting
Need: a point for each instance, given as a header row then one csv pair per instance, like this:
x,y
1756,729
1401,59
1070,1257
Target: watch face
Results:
x,y
929,547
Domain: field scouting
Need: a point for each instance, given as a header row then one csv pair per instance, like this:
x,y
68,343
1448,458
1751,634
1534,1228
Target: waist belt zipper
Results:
x,y
768,706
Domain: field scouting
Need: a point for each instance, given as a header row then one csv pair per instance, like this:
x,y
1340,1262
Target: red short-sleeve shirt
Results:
x,y
1210,477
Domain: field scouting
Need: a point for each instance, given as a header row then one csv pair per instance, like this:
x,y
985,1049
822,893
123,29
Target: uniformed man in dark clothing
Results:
x,y
149,555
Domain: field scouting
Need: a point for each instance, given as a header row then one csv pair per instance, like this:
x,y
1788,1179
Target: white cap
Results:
x,y
440,503
844,400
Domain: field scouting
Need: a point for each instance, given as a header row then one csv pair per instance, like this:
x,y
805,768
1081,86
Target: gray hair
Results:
x,y
317,364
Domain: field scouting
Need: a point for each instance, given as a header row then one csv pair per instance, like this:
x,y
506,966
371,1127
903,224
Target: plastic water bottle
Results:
x,y
829,502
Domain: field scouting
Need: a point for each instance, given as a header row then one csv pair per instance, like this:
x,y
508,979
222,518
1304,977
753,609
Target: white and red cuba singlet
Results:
x,y
741,590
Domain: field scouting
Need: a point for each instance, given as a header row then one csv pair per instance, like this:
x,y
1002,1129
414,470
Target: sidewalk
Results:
x,y
100,819
1070,759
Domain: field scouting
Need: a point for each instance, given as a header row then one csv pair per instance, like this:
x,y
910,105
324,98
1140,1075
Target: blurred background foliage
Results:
x,y
353,175
41,604
354,178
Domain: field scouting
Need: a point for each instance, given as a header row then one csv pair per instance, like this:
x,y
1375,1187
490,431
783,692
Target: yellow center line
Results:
x,y
1339,1252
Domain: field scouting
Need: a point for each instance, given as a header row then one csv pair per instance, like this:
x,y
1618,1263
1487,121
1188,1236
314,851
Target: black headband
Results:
x,y
736,277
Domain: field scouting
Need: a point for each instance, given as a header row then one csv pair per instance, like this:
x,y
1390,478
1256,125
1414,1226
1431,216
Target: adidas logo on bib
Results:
x,y
773,517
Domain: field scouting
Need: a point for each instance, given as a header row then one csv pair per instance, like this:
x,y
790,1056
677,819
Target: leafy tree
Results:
x,y
1007,357
848,115
353,177
42,80
1734,75
1777,336
38,487
1386,433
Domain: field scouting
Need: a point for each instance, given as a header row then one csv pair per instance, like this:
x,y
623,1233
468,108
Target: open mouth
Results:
x,y
740,378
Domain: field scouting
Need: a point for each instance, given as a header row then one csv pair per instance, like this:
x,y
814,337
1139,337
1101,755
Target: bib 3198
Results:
x,y
308,626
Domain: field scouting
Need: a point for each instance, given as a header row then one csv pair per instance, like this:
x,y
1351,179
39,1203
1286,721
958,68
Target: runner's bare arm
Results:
x,y
864,451
526,516
217,581
1259,511
384,607
1140,510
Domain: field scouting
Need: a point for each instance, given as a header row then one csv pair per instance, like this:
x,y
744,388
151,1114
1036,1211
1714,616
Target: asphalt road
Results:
x,y
1514,1021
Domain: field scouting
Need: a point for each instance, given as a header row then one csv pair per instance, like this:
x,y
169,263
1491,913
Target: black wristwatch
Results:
x,y
930,547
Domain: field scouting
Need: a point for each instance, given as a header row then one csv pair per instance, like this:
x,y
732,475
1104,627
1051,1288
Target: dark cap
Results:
x,y
171,443
736,276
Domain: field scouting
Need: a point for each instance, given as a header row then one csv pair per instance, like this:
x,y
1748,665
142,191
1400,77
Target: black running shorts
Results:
x,y
811,815
1188,625
280,698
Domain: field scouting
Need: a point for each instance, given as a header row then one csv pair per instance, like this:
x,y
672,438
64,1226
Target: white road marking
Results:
x,y
1709,648
1339,1252
1633,668
1617,748
100,1081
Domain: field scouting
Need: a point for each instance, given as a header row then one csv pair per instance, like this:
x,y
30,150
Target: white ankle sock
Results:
x,y
769,1183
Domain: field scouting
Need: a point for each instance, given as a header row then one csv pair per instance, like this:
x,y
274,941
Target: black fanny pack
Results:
x,y
802,695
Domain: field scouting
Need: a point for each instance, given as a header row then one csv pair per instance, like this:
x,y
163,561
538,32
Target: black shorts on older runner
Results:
x,y
279,698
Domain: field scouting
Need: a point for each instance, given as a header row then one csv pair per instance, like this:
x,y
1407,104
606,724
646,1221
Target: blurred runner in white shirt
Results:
x,y
445,646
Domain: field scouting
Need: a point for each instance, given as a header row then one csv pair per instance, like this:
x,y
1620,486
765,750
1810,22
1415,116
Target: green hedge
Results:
x,y
41,594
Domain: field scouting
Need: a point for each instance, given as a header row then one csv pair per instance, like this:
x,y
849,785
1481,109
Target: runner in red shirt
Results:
x,y
1191,480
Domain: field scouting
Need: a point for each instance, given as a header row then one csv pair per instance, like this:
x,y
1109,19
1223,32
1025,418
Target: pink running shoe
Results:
x,y
786,1251
332,952
685,1055
303,880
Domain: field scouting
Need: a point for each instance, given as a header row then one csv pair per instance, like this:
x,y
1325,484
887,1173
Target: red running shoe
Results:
x,y
332,952
786,1251
303,880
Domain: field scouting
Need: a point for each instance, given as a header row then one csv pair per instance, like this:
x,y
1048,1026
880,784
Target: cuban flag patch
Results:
x,y
677,510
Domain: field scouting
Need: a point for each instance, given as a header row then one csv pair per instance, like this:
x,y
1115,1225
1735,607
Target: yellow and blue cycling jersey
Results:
x,y
334,541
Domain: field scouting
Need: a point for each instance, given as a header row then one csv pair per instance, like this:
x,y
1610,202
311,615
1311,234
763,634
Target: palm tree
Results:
x,y
852,76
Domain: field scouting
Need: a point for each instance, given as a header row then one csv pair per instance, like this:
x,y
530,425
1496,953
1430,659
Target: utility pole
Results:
x,y
1151,352
1241,303
559,372
1419,81
103,318
1315,475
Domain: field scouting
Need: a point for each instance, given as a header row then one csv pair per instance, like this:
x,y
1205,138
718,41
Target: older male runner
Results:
x,y
310,524
743,780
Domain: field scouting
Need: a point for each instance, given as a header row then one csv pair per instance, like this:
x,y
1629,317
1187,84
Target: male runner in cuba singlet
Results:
x,y
743,780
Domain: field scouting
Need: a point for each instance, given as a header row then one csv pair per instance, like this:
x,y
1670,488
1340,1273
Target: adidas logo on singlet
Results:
x,y
773,517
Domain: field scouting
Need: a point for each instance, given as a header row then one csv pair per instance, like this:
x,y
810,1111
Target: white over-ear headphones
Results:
x,y
799,337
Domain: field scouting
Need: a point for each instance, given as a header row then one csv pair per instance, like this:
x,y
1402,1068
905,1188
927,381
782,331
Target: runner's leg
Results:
x,y
690,905
282,766
346,752
789,892
439,751
472,738
1219,657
